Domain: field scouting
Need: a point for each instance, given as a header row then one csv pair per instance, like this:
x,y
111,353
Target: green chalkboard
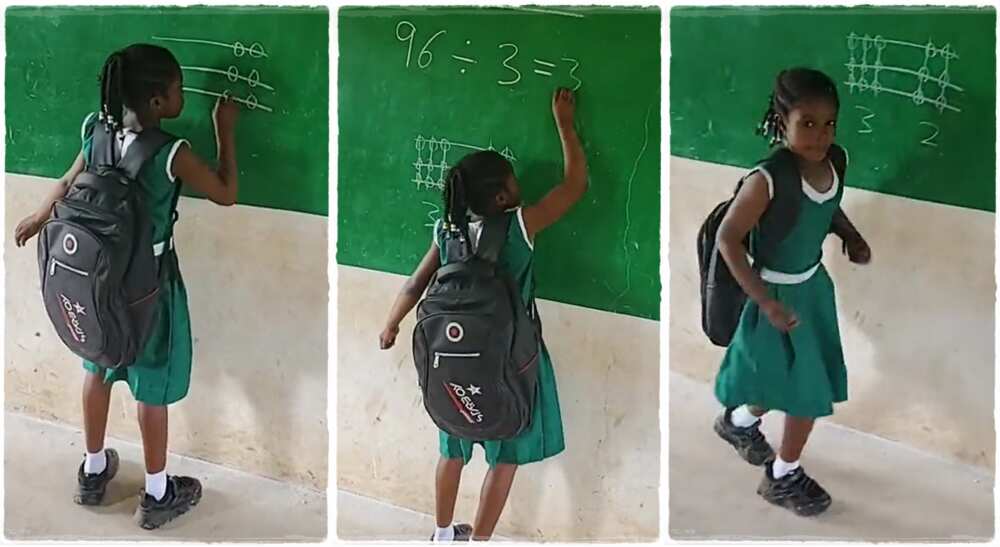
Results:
x,y
421,87
274,57
917,88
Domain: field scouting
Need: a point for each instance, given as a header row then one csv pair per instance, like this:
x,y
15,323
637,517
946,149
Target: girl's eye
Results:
x,y
810,124
832,123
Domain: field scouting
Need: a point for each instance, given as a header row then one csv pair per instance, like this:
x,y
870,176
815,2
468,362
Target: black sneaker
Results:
x,y
462,532
182,494
795,491
90,487
749,442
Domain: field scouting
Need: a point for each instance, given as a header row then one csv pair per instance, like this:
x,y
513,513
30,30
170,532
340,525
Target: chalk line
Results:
x,y
928,77
232,75
909,95
628,205
255,49
549,11
252,104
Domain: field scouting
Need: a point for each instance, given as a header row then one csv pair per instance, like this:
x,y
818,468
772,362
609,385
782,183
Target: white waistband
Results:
x,y
159,247
781,278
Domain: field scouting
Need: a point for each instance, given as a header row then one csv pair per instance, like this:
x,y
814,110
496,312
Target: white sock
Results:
x,y
156,484
780,468
95,463
444,534
742,417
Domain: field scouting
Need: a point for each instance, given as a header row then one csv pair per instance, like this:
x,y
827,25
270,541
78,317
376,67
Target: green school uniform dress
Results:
x,y
161,374
801,372
544,438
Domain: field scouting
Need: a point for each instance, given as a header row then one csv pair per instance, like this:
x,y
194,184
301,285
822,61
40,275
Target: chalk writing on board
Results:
x,y
255,49
250,101
549,11
433,215
233,75
628,207
506,64
407,31
871,65
929,141
868,115
572,72
432,165
545,64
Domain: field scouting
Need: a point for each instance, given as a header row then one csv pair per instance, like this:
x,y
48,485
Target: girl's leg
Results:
x,y
153,425
785,483
794,440
446,481
492,499
756,410
96,401
100,465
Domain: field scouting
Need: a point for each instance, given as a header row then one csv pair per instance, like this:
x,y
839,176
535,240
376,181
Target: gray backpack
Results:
x,y
100,277
475,345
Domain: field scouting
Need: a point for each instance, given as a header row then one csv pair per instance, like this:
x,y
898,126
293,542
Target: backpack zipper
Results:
x,y
52,268
529,363
438,356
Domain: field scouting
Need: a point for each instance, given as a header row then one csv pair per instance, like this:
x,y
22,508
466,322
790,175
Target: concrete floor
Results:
x,y
40,466
360,518
881,490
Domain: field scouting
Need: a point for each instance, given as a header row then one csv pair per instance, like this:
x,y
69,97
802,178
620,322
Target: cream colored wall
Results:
x,y
604,486
917,323
257,287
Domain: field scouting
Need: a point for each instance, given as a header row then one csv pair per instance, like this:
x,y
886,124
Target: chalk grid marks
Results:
x,y
432,163
253,79
865,67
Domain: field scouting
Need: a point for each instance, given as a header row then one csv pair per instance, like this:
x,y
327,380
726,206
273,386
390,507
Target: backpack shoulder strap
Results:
x,y
839,225
783,210
145,146
838,157
784,173
103,151
493,238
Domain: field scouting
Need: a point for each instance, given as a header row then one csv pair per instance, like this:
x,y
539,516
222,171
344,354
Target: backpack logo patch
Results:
x,y
71,314
69,244
454,332
463,402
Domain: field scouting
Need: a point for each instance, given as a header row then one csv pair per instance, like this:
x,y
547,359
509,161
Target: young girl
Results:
x,y
140,86
786,353
480,186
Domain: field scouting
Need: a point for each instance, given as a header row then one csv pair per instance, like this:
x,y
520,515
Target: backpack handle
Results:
x,y
493,238
146,145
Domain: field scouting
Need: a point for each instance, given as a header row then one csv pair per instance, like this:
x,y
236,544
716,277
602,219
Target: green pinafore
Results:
x,y
544,438
162,373
801,372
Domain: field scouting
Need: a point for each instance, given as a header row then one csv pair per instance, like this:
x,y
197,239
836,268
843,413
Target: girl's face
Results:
x,y
171,104
810,128
510,196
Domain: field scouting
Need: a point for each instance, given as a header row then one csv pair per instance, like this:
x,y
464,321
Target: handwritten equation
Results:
x,y
232,73
432,164
865,65
507,58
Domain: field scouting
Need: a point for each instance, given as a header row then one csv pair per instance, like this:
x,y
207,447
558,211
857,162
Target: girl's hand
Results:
x,y
224,115
857,250
27,229
563,107
388,337
781,317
